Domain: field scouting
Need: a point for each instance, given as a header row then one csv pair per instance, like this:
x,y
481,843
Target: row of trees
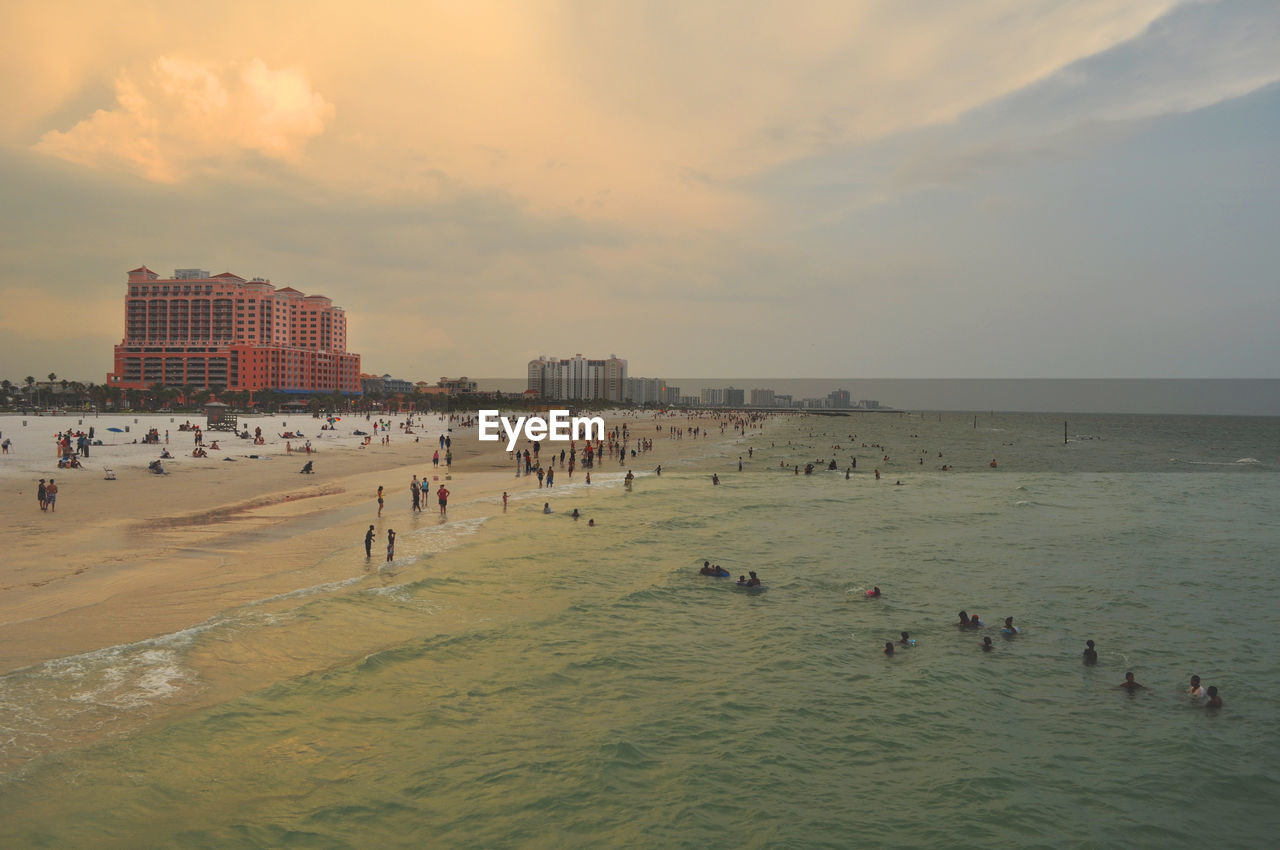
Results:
x,y
76,395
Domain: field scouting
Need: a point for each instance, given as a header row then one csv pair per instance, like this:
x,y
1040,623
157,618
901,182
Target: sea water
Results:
x,y
520,679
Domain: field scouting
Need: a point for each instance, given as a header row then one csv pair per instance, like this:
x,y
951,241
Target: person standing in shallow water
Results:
x,y
1090,654
379,500
391,544
1130,684
368,543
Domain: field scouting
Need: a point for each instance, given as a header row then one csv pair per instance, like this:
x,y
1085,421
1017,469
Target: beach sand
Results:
x,y
145,555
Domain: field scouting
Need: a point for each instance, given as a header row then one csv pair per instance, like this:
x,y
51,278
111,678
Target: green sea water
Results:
x,y
521,680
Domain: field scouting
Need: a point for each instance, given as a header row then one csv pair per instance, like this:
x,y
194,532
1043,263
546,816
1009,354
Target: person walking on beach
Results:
x,y
414,491
391,544
442,495
41,496
379,500
368,543
51,496
504,501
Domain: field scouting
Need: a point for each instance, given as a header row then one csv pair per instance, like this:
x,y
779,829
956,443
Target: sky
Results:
x,y
881,188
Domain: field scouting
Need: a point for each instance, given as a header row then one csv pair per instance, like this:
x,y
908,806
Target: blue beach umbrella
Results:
x,y
117,430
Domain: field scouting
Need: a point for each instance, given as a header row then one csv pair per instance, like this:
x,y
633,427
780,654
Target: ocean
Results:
x,y
518,679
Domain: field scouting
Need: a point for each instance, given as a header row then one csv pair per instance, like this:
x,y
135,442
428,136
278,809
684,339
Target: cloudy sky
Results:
x,y
995,188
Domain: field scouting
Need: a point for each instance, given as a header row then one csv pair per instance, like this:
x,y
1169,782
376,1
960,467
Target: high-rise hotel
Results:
x,y
223,330
579,377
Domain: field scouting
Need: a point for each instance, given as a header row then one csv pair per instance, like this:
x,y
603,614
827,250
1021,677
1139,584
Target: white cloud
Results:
x,y
181,116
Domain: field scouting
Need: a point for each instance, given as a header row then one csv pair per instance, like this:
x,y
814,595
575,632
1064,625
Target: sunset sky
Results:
x,y
997,188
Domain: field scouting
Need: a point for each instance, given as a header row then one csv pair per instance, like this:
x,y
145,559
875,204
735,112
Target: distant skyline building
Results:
x,y
762,398
224,331
712,397
579,378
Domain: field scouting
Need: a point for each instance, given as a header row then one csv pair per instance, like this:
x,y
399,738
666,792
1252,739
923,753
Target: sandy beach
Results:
x,y
145,555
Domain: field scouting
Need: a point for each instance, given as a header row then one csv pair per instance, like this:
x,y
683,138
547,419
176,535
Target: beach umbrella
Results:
x,y
117,430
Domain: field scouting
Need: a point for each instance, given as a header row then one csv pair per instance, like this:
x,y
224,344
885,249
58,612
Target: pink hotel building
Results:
x,y
206,330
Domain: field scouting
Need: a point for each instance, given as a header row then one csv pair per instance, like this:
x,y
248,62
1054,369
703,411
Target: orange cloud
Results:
x,y
182,115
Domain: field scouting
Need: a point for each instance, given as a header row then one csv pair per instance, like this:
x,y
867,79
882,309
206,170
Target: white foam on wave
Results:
x,y
432,540
1248,460
313,590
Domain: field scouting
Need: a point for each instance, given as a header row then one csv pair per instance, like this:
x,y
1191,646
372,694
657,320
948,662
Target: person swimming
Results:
x,y
976,622
754,581
874,592
888,648
964,620
907,639
1195,691
575,514
1090,654
1130,684
1009,627
706,569
986,644
546,507
1215,701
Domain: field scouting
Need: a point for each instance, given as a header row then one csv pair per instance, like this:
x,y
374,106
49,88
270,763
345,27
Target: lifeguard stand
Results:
x,y
217,417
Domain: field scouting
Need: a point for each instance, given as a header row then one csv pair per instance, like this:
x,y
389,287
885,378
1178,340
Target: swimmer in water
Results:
x,y
986,644
906,639
706,569
546,507
591,523
888,648
575,513
754,581
1010,627
976,622
1090,654
964,620
874,592
1195,691
1130,685
1215,701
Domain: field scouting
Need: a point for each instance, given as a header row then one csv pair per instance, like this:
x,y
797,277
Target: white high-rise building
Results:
x,y
578,378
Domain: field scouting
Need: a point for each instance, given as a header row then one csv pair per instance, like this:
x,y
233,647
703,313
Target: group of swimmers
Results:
x,y
1196,691
709,569
1090,656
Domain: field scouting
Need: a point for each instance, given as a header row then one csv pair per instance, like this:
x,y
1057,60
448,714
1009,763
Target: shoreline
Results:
x,y
142,556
